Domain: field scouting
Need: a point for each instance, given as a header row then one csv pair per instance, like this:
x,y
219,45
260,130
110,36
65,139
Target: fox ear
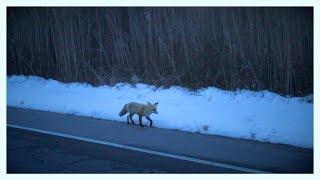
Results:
x,y
156,103
148,103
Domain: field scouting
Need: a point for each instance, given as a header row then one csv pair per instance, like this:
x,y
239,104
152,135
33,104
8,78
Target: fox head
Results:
x,y
153,107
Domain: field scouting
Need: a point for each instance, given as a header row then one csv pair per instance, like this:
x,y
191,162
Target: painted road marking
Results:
x,y
211,163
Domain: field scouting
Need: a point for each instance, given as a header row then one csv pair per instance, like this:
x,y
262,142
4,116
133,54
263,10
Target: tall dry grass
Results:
x,y
252,48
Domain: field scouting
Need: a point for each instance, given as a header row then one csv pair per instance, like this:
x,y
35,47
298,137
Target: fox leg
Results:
x,y
128,119
149,120
130,115
140,121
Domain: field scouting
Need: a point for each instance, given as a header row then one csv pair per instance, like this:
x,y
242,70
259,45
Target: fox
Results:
x,y
142,110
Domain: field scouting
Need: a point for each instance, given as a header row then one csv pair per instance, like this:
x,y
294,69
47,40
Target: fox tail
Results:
x,y
123,111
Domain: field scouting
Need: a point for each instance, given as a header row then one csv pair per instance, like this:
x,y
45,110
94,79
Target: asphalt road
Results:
x,y
30,152
151,150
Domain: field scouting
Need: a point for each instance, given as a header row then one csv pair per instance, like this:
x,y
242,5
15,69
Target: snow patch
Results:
x,y
262,116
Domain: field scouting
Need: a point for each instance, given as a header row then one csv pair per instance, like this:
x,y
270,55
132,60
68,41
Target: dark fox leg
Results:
x,y
130,115
140,121
128,119
149,120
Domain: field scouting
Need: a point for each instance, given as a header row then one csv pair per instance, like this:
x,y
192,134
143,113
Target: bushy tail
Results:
x,y
123,111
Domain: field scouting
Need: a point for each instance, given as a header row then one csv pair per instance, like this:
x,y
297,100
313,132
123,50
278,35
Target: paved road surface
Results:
x,y
30,152
94,145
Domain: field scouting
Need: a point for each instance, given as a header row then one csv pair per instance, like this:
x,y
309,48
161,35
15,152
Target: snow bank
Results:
x,y
262,116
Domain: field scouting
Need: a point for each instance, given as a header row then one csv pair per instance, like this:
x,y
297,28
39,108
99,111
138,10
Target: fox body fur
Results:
x,y
142,110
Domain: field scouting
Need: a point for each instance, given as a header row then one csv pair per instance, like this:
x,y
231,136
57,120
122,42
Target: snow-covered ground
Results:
x,y
262,116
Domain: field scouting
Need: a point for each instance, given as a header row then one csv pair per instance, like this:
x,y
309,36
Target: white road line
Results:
x,y
211,163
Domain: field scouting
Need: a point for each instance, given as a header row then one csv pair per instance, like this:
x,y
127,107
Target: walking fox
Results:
x,y
142,110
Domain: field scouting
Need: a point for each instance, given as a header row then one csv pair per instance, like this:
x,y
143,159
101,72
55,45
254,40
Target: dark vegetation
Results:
x,y
230,48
